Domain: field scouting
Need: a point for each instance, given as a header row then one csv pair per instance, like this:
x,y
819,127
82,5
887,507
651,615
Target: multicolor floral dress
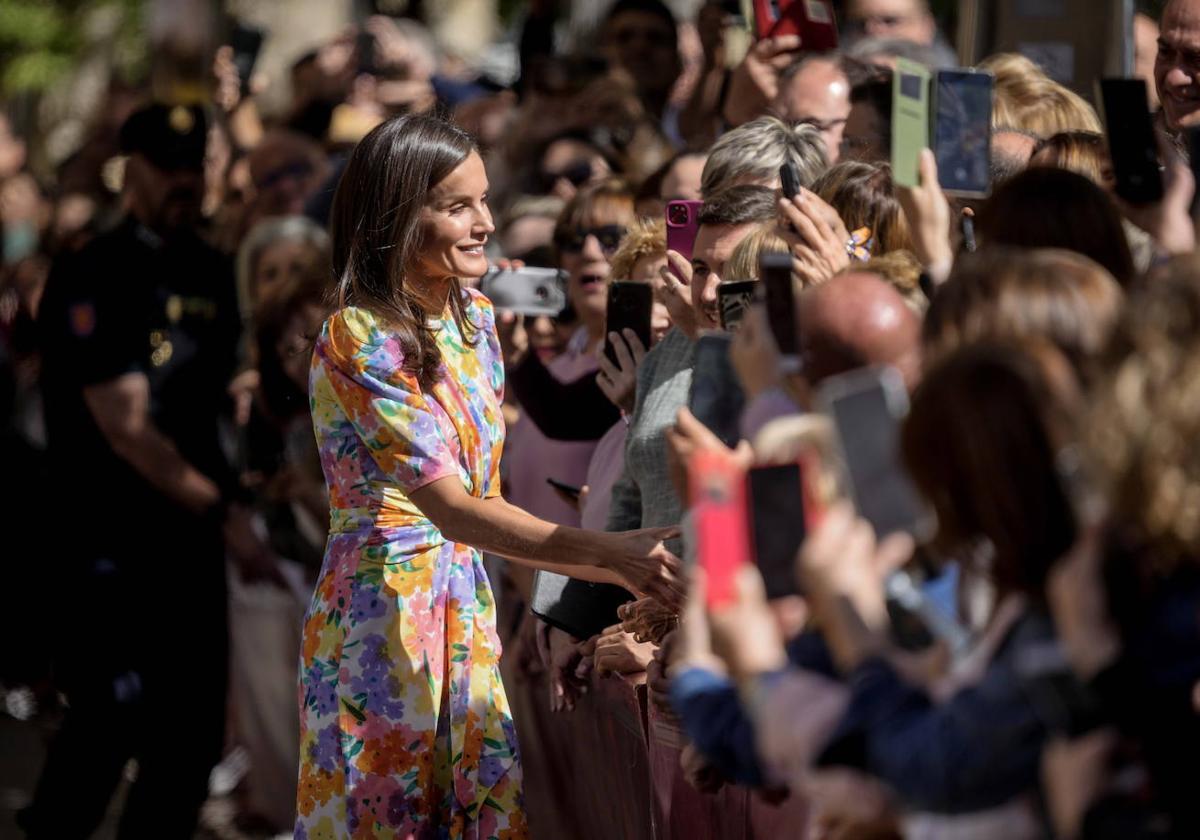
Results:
x,y
405,728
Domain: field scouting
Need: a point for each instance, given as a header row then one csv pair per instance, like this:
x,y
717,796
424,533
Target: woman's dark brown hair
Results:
x,y
865,196
1015,294
377,236
1045,207
980,444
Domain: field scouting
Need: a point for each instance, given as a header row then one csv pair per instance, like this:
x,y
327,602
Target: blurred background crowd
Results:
x,y
1050,371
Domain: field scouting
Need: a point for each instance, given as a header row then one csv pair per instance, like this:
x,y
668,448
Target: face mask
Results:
x,y
20,241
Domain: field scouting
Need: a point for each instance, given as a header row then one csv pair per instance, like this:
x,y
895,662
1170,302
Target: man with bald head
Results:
x,y
1177,66
854,320
816,91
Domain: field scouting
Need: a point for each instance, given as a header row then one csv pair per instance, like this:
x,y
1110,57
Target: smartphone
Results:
x,y
566,489
629,306
775,271
526,291
962,131
789,180
364,47
1131,142
716,398
733,298
910,121
778,525
246,43
866,406
683,220
812,20
719,524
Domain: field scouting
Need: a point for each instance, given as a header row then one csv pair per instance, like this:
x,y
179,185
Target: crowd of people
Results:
x,y
160,299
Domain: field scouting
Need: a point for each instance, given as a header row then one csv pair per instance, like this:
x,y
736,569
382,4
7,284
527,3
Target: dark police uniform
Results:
x,y
142,644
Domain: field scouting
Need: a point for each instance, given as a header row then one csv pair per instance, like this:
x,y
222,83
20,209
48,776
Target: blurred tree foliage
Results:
x,y
42,41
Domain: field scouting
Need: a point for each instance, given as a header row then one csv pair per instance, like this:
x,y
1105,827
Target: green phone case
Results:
x,y
910,121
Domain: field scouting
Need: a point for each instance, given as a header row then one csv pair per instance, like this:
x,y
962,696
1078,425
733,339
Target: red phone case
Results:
x,y
812,20
720,522
682,237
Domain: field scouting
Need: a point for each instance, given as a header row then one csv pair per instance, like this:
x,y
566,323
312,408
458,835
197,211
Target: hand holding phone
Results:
x,y
812,20
778,525
789,180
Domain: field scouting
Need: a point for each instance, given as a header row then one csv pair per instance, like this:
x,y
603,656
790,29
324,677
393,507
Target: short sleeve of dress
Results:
x,y
386,406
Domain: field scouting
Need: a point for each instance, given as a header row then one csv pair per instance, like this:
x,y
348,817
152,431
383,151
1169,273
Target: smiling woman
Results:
x,y
405,727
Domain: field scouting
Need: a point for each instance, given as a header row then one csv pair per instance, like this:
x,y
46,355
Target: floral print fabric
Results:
x,y
405,728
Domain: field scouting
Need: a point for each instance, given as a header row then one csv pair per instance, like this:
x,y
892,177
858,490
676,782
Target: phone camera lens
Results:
x,y
678,214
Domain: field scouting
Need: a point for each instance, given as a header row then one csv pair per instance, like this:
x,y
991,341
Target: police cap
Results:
x,y
172,137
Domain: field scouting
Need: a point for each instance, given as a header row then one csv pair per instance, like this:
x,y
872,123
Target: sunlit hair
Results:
x,y
1082,152
864,195
1044,207
743,262
647,238
982,443
375,225
902,270
1008,294
752,154
1144,423
1028,99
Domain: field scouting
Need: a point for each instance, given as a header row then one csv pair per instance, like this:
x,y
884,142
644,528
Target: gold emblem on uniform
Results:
x,y
162,354
181,120
174,308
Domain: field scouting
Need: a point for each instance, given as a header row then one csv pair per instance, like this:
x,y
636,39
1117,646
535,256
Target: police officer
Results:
x,y
138,336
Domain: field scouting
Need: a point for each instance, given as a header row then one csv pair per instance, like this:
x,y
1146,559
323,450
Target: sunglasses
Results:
x,y
578,173
609,237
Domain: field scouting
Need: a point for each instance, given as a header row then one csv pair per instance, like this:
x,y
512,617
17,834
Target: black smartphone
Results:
x,y
629,306
364,46
566,489
246,43
775,271
777,525
733,298
1131,142
716,398
789,179
962,131
866,406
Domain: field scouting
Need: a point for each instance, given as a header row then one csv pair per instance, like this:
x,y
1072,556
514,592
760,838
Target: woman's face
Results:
x,y
280,262
644,271
585,259
455,225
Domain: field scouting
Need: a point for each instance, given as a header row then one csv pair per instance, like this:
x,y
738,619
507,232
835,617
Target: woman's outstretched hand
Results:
x,y
643,562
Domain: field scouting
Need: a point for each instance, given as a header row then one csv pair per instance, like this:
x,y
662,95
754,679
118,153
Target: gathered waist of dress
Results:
x,y
389,508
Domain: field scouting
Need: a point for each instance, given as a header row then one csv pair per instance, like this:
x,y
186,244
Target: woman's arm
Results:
x,y
637,560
